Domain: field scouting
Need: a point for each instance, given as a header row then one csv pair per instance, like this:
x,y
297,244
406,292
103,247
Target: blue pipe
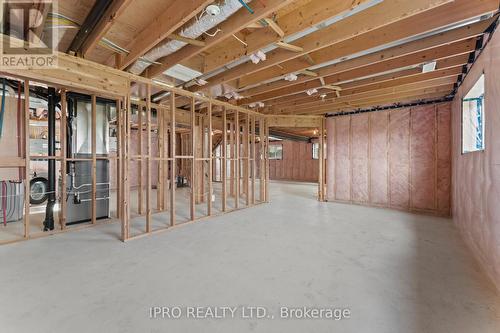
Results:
x,y
246,6
2,112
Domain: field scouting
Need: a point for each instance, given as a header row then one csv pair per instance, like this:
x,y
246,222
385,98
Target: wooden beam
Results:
x,y
193,160
164,25
392,100
210,156
190,41
224,159
273,25
452,64
140,171
148,158
236,158
289,47
353,92
301,18
116,8
240,19
173,172
445,51
429,84
371,19
254,158
293,121
372,101
456,11
307,72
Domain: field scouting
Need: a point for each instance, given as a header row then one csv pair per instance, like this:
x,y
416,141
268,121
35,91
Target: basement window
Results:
x,y
315,151
473,118
275,152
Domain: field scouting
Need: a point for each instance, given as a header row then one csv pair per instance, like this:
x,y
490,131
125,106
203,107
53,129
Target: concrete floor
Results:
x,y
396,272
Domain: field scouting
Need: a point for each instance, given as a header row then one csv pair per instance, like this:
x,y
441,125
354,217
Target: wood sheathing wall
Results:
x,y
476,176
397,159
297,163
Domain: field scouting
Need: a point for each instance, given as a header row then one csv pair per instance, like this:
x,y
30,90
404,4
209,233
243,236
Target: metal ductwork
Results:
x,y
195,30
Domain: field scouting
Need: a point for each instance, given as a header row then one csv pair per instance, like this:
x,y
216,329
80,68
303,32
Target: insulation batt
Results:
x,y
476,176
398,159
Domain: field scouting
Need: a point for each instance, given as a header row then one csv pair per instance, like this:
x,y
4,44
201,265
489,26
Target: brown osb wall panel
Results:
x,y
378,158
423,157
476,176
342,159
359,158
399,159
379,167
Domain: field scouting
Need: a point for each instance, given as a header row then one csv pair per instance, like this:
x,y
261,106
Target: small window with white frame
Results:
x,y
276,152
315,150
473,118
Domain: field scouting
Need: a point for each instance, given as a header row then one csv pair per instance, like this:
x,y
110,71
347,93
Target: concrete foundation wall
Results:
x,y
476,176
398,159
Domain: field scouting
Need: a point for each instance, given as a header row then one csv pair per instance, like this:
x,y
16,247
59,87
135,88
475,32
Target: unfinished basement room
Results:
x,y
250,166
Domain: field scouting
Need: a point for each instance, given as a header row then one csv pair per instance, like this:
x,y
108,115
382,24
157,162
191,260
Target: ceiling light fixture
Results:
x,y
291,77
212,10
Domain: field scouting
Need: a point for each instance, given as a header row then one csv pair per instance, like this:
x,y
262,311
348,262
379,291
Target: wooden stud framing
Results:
x,y
247,161
193,160
148,158
254,159
161,142
243,158
210,156
224,159
119,172
321,173
27,187
140,172
173,161
236,157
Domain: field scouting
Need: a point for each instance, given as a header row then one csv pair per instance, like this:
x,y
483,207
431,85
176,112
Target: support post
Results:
x,y
224,159
140,160
119,172
173,162
210,157
254,159
148,166
321,162
193,164
237,159
27,187
266,157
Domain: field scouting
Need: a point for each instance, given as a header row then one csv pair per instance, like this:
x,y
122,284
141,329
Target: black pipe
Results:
x,y
91,21
48,224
